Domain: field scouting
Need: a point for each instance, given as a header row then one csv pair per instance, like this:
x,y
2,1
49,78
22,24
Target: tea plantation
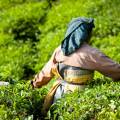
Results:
x,y
30,30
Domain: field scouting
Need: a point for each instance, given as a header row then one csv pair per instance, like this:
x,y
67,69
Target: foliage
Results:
x,y
107,20
99,102
5,5
18,33
22,21
110,46
30,30
16,61
20,101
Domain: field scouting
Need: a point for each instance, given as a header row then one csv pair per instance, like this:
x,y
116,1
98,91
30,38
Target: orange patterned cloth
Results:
x,y
49,97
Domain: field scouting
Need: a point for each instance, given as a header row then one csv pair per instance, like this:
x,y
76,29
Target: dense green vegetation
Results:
x,y
30,30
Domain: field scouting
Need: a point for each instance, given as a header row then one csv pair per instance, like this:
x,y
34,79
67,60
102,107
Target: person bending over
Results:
x,y
74,62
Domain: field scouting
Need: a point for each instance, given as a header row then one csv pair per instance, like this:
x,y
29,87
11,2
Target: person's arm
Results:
x,y
103,64
45,74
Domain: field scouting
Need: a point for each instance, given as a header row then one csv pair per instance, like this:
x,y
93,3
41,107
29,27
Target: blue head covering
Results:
x,y
78,32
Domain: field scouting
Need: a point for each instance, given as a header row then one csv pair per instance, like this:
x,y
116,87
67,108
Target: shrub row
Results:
x,y
18,102
99,102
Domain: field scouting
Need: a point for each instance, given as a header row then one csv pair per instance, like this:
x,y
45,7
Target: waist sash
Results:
x,y
70,74
74,75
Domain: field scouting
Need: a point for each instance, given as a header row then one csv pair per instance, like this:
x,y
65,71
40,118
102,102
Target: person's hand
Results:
x,y
31,82
37,82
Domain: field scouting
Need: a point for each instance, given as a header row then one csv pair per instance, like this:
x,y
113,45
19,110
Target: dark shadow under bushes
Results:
x,y
23,22
26,30
99,81
28,72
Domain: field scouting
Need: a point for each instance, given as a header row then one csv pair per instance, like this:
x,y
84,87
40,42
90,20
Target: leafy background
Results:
x,y
30,30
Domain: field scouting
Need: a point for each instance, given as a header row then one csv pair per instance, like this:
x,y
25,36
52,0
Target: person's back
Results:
x,y
90,58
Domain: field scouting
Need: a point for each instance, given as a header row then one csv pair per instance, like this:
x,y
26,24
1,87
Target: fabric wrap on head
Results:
x,y
78,32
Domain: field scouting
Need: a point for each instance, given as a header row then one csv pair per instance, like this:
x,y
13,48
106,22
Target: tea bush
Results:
x,y
106,19
110,46
14,58
20,101
30,30
5,5
23,21
99,101
18,33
